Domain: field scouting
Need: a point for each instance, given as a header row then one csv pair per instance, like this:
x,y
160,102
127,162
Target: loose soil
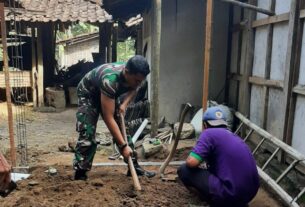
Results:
x,y
106,186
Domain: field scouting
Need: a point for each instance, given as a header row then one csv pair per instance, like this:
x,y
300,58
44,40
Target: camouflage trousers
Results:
x,y
86,120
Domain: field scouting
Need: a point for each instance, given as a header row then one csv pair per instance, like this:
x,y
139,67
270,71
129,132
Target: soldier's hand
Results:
x,y
122,108
126,152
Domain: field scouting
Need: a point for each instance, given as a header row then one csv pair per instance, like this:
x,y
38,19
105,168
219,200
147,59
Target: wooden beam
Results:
x,y
139,41
7,89
34,68
246,63
235,77
40,86
271,20
299,89
294,21
114,42
207,53
156,41
266,82
268,68
250,6
302,13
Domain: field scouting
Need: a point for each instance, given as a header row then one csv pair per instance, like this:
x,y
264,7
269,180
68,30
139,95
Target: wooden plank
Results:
x,y
114,42
271,20
23,77
8,91
155,73
299,89
294,79
207,53
302,13
294,22
40,85
246,63
268,67
266,82
34,68
235,77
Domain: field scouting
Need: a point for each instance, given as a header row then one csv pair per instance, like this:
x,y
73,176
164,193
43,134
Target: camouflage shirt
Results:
x,y
107,79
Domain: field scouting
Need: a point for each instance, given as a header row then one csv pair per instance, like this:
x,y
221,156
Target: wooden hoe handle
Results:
x,y
172,152
134,175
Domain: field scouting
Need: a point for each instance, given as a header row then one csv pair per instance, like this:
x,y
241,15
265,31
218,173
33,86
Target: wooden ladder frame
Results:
x,y
297,157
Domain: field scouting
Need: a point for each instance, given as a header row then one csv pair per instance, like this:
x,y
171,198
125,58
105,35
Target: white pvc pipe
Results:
x,y
139,131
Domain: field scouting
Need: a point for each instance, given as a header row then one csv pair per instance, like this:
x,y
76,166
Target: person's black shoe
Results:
x,y
80,175
12,186
142,172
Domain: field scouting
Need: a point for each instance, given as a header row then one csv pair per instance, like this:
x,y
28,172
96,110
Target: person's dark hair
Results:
x,y
138,64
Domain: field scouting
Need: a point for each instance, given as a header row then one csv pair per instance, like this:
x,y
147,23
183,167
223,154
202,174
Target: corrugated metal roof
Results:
x,y
60,10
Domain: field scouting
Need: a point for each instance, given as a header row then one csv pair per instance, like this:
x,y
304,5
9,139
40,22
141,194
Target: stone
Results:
x,y
187,132
150,149
33,183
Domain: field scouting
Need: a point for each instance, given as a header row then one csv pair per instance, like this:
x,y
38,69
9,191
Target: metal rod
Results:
x,y
294,163
249,6
110,164
7,87
270,158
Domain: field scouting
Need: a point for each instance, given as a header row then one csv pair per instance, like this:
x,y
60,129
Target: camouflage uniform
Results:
x,y
106,79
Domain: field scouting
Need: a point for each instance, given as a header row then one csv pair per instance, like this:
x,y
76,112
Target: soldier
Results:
x,y
97,94
231,177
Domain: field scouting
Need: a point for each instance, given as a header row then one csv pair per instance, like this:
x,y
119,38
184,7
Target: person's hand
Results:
x,y
5,176
122,108
126,152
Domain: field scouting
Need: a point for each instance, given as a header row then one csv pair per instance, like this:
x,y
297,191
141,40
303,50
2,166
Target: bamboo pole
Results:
x,y
7,87
155,67
207,53
249,6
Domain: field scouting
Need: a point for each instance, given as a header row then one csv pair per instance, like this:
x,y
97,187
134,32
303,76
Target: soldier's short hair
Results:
x,y
138,64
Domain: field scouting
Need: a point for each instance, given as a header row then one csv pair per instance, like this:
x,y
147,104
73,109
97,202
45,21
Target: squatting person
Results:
x,y
230,177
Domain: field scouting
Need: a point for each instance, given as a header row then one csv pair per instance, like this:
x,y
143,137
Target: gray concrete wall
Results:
x,y
182,53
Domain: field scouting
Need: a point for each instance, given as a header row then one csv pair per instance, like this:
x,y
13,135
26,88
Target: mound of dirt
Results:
x,y
106,186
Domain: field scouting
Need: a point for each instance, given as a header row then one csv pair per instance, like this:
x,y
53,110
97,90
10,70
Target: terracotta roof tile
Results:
x,y
60,10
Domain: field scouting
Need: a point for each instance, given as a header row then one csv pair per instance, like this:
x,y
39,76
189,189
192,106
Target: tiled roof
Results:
x,y
60,10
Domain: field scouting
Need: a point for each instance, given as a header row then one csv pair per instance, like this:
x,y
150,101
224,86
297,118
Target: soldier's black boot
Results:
x,y
140,171
80,175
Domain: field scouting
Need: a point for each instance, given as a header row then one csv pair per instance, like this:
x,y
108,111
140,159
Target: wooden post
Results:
x,y
268,67
155,67
114,41
139,40
34,68
109,41
207,53
246,63
294,21
7,87
40,86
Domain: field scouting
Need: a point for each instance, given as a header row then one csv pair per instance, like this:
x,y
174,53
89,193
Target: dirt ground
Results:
x,y
106,186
